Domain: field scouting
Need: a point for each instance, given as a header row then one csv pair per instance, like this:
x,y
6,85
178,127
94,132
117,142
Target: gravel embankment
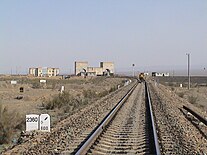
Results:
x,y
177,135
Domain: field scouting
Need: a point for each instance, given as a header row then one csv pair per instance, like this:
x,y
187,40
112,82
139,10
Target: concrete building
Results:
x,y
108,67
160,74
80,67
33,71
53,71
83,69
44,71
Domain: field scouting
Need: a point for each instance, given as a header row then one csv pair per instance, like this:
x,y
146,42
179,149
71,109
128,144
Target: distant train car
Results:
x,y
141,77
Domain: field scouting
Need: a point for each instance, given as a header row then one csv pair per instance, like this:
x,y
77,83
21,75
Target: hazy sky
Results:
x,y
151,34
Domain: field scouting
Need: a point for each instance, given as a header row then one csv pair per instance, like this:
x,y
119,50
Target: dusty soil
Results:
x,y
35,94
33,97
69,132
197,95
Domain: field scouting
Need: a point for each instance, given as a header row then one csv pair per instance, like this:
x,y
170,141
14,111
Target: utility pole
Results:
x,y
188,54
133,69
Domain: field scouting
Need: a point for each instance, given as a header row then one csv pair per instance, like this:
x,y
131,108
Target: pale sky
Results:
x,y
152,34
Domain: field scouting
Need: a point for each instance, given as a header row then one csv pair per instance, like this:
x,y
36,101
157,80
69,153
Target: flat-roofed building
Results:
x,y
53,71
44,71
160,74
82,69
33,71
108,67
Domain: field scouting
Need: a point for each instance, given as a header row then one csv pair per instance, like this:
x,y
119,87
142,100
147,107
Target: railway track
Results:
x,y
196,115
127,129
172,128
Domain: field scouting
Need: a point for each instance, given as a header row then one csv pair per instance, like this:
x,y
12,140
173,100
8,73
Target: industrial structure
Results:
x,y
44,71
83,69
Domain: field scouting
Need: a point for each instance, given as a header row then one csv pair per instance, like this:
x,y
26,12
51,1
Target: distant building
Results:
x,y
44,71
146,73
160,74
82,69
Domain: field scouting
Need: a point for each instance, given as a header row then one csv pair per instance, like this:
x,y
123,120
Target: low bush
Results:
x,y
201,106
36,85
171,84
112,89
180,94
59,101
68,102
89,94
103,93
9,121
192,99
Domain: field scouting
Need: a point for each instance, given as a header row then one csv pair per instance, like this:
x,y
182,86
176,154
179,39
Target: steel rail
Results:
x,y
203,120
88,143
156,148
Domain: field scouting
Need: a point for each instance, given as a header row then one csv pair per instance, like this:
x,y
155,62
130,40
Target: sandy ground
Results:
x,y
34,97
198,89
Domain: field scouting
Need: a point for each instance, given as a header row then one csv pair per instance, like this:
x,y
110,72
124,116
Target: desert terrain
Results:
x,y
89,100
197,95
37,98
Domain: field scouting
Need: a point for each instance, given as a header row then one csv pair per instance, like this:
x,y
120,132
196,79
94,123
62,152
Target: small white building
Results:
x,y
146,73
160,74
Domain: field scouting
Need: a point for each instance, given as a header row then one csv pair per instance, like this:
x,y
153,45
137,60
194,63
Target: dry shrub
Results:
x,y
9,121
97,80
69,103
65,101
192,99
36,85
112,89
201,106
106,92
172,88
171,84
103,93
180,94
89,94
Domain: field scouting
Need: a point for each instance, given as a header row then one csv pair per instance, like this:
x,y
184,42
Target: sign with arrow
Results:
x,y
45,122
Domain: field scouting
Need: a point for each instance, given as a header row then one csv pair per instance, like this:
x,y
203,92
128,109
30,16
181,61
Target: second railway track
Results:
x,y
130,131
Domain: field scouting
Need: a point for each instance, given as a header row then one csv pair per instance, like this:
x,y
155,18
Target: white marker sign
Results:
x,y
62,89
13,82
45,122
43,81
32,122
